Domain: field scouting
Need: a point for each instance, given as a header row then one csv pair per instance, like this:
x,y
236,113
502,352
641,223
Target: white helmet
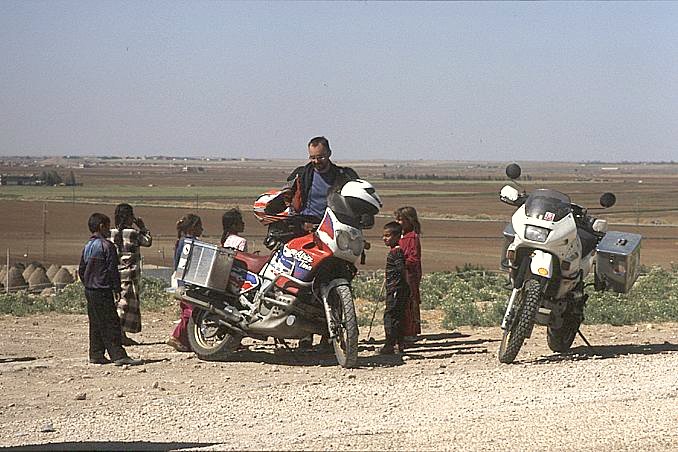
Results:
x,y
364,191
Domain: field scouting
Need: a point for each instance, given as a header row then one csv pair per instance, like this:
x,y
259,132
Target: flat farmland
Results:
x,y
462,218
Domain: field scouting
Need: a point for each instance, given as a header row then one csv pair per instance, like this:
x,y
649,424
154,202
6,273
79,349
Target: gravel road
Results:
x,y
448,393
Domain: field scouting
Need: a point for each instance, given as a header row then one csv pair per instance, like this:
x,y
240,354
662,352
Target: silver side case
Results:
x,y
618,260
205,265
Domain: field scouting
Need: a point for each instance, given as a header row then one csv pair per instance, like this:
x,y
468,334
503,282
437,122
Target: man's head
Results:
x,y
99,223
319,153
392,233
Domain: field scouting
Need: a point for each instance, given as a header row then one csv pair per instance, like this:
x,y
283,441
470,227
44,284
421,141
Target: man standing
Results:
x,y
309,186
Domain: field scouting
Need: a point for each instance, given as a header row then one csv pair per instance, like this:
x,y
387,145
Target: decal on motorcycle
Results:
x,y
327,227
283,262
241,281
549,216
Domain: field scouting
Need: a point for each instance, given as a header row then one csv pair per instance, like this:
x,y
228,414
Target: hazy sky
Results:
x,y
478,81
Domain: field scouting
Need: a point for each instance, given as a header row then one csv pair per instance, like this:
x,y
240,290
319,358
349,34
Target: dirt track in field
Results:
x,y
447,393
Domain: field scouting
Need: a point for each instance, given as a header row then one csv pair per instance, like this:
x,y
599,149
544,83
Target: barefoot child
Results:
x,y
397,290
411,246
129,235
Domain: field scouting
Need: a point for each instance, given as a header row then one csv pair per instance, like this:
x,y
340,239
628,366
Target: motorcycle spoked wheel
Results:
x,y
209,340
343,312
523,322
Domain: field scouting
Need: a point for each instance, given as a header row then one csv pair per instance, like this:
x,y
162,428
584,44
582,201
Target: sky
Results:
x,y
559,81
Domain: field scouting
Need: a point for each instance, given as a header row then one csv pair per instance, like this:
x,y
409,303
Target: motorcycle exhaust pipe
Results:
x,y
226,315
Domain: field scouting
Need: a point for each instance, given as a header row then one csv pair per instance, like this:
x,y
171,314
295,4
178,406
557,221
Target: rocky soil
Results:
x,y
447,393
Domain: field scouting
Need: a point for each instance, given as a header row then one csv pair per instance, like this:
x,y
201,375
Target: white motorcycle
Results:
x,y
551,246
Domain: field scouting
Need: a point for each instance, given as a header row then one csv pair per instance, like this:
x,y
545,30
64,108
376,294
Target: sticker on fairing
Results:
x,y
549,216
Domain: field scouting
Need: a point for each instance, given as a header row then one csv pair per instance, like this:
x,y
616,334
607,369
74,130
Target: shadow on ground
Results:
x,y
584,352
16,359
107,445
446,345
427,346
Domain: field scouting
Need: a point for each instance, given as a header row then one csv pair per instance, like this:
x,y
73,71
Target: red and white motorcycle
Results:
x,y
303,287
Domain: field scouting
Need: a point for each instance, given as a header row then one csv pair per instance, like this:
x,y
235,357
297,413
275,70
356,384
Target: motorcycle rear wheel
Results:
x,y
560,340
209,340
521,327
346,341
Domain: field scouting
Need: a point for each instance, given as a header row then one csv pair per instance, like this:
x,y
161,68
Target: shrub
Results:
x,y
71,299
474,296
654,298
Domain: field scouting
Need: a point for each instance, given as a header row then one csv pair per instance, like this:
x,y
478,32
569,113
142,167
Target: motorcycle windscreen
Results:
x,y
548,205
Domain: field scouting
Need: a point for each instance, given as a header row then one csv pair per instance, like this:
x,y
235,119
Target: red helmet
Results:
x,y
271,207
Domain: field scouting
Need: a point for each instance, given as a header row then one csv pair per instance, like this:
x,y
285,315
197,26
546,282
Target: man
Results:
x,y
309,186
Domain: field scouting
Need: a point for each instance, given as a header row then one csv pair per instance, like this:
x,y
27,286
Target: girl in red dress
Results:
x,y
411,246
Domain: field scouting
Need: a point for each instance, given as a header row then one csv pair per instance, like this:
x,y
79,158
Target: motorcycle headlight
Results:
x,y
536,234
346,242
343,240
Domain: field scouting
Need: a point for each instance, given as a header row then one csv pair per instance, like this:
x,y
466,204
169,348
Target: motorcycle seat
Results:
x,y
252,262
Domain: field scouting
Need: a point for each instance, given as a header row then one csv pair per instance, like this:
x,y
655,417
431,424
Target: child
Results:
x,y
129,235
233,225
409,242
397,290
99,274
188,227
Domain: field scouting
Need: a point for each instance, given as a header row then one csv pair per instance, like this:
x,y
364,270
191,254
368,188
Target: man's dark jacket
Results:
x,y
301,180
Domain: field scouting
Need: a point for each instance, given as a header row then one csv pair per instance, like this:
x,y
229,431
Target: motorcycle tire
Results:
x,y
346,342
560,340
209,340
521,327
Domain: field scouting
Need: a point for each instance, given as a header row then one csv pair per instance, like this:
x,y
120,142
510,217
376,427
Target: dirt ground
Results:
x,y
447,393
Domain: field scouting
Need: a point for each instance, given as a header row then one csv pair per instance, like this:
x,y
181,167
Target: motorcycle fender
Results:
x,y
325,293
542,264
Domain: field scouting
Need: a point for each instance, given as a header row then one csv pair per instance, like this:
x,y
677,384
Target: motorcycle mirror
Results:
x,y
608,199
513,171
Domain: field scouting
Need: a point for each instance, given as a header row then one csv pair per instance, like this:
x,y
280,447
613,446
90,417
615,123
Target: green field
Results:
x,y
129,192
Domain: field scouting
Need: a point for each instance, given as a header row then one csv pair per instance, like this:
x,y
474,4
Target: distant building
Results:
x,y
192,169
12,179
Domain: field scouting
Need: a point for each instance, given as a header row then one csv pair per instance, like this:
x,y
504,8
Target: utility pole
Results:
x,y
7,279
44,231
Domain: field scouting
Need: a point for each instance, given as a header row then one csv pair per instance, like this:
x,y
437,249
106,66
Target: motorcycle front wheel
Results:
x,y
522,324
343,313
210,340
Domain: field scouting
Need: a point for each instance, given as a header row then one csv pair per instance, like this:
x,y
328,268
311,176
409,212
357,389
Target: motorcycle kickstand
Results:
x,y
584,339
287,347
